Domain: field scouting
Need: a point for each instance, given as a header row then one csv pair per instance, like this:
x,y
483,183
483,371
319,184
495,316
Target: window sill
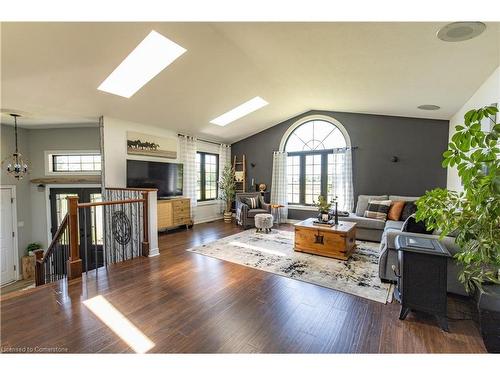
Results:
x,y
302,208
208,203
76,173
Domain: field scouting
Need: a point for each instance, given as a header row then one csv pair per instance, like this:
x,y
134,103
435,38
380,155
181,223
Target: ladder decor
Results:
x,y
239,167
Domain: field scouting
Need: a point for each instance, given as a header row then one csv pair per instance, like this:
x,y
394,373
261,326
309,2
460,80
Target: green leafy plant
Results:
x,y
227,186
32,247
323,205
474,214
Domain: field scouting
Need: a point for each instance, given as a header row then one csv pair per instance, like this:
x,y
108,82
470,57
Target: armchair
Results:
x,y
244,214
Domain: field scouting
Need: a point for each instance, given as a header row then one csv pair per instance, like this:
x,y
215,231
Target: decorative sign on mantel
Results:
x,y
151,145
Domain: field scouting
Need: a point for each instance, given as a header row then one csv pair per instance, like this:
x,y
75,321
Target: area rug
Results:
x,y
273,252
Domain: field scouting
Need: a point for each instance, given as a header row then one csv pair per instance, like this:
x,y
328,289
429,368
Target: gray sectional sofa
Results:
x,y
385,232
373,229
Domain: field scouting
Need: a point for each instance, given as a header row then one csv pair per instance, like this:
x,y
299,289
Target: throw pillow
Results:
x,y
251,202
378,209
413,226
363,201
395,210
409,209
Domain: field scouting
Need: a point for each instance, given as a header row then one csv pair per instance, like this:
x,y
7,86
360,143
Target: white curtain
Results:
x,y
188,158
224,158
342,179
279,182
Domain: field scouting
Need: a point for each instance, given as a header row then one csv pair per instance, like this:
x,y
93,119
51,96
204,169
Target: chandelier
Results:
x,y
16,165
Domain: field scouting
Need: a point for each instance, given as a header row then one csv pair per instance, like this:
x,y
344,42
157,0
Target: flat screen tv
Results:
x,y
166,177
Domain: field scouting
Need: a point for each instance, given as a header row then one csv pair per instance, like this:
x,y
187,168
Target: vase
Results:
x,y
228,216
324,217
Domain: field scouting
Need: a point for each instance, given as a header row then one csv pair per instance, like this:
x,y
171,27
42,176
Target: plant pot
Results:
x,y
324,217
488,306
228,216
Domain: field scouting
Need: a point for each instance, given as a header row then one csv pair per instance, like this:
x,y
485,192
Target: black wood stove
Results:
x,y
422,277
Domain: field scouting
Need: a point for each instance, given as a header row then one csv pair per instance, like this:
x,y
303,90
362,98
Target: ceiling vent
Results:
x,y
429,107
460,31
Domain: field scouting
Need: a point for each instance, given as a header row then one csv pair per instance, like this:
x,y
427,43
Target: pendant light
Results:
x,y
16,165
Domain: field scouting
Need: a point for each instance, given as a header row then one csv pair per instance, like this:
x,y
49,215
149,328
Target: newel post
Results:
x,y
74,264
145,222
39,270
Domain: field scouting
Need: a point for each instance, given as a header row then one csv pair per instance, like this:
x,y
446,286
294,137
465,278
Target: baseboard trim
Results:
x,y
154,252
208,219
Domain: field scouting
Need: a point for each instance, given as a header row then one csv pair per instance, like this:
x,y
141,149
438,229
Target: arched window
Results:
x,y
316,162
315,135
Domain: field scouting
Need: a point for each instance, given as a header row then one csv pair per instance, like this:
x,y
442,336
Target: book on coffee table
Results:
x,y
329,223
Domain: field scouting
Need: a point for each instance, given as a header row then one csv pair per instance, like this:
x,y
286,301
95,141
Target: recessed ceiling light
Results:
x,y
429,107
240,111
149,58
460,31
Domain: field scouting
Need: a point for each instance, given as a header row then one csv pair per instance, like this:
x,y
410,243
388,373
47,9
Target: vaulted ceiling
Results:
x,y
51,71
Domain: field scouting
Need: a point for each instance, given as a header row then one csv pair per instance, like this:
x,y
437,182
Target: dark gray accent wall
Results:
x,y
418,143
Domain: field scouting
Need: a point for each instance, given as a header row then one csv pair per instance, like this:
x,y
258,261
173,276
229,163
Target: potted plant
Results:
x,y
473,215
32,247
323,208
227,188
28,260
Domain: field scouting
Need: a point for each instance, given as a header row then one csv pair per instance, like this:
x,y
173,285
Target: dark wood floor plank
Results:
x,y
186,302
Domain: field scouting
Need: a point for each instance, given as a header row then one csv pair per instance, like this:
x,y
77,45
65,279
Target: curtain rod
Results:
x,y
201,140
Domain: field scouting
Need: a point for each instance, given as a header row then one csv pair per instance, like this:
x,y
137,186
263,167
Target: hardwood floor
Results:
x,y
16,286
188,303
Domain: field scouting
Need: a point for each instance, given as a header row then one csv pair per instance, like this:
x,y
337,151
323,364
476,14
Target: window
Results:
x,y
74,163
315,157
207,172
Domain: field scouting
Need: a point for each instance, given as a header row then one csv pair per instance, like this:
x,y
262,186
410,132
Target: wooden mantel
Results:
x,y
67,180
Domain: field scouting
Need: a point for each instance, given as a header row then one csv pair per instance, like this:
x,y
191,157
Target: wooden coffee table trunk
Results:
x,y
335,242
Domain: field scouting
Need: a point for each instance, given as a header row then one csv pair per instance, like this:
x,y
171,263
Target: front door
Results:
x,y
7,236
89,219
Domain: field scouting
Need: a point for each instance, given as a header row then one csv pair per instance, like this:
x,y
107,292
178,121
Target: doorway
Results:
x,y
8,239
90,222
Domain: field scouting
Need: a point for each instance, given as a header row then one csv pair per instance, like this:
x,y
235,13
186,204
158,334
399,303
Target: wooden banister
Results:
x,y
74,263
145,223
132,189
62,258
42,257
109,203
57,236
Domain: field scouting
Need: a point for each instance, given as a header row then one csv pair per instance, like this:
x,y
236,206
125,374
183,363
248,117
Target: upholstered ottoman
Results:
x,y
263,221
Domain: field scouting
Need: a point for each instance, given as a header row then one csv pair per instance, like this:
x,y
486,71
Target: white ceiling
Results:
x,y
51,72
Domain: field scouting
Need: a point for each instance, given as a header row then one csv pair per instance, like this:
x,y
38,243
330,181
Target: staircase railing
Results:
x,y
125,226
52,264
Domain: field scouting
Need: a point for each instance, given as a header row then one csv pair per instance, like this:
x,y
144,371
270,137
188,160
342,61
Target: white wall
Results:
x,y
115,148
115,159
488,93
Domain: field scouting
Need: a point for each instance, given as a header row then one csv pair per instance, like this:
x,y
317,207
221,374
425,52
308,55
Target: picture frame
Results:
x,y
151,145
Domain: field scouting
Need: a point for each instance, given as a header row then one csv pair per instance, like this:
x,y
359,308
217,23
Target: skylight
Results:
x,y
240,111
149,58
